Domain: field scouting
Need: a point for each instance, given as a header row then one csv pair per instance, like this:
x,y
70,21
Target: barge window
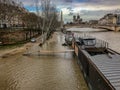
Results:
x,y
89,42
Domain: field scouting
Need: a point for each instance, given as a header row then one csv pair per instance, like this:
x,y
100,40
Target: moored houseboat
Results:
x,y
100,64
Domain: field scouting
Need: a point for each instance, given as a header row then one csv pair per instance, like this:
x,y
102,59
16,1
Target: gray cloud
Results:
x,y
104,2
72,2
89,9
27,2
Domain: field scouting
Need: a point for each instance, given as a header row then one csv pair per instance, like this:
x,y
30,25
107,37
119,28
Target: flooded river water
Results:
x,y
112,37
57,71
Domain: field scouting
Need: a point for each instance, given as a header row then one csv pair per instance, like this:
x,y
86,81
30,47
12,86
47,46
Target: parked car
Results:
x,y
33,40
1,43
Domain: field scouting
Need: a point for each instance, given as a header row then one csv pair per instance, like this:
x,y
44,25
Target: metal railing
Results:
x,y
99,42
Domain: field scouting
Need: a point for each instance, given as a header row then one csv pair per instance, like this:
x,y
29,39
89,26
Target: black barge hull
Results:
x,y
95,79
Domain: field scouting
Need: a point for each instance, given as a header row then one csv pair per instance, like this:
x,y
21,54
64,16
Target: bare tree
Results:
x,y
49,14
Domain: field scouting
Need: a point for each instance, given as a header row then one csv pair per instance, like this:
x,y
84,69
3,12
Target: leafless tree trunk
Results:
x,y
49,14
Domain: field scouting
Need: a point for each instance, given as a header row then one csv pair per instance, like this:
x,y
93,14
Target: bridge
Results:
x,y
110,27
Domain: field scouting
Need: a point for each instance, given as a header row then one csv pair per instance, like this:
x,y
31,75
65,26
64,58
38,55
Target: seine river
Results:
x,y
113,38
57,71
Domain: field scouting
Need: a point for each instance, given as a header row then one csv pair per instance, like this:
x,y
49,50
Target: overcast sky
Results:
x,y
88,9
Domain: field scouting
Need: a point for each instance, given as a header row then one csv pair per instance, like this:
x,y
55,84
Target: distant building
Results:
x,y
74,18
62,22
77,19
10,20
93,22
110,19
118,19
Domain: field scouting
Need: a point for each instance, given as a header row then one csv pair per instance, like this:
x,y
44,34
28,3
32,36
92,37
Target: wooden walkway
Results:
x,y
46,52
61,51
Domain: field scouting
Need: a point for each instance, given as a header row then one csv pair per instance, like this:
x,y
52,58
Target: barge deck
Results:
x,y
100,65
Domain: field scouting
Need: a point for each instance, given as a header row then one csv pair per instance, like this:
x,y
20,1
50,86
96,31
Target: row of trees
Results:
x,y
12,13
45,20
47,10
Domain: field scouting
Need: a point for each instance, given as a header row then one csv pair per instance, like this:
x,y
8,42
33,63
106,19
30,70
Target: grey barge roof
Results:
x,y
87,38
109,67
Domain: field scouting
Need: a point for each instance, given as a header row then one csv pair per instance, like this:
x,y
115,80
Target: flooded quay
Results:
x,y
57,71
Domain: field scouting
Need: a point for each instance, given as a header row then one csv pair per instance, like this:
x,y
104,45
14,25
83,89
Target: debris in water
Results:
x,y
64,44
40,44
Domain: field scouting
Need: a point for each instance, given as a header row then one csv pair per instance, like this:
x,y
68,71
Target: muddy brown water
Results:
x,y
57,71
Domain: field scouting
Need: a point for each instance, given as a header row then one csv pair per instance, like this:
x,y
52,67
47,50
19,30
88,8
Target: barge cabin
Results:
x,y
68,37
100,64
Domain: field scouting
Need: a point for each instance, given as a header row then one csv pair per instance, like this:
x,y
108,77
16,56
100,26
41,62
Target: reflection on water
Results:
x,y
113,38
58,71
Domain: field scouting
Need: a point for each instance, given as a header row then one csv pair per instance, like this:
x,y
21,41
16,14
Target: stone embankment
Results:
x,y
19,36
11,52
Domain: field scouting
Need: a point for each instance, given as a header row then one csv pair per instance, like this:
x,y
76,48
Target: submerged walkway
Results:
x,y
58,72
